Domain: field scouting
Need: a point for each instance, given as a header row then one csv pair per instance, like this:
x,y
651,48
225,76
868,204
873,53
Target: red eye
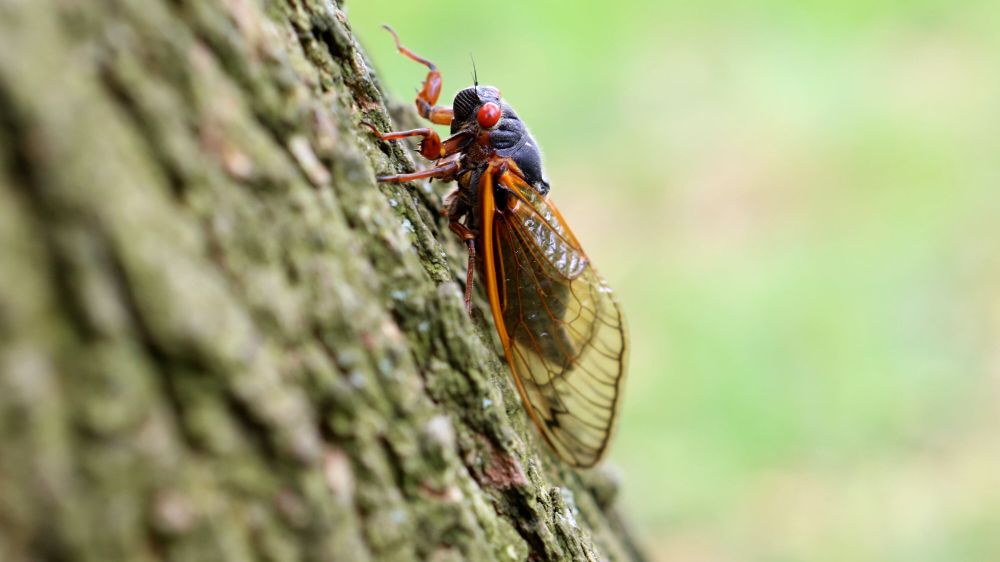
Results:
x,y
488,115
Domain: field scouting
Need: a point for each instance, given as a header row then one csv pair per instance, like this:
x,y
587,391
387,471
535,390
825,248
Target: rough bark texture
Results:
x,y
219,338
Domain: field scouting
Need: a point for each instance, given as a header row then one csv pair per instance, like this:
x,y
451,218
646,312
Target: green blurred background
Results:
x,y
798,204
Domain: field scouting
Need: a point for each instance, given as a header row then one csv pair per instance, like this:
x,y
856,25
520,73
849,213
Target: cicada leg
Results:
x,y
443,172
430,147
469,238
428,96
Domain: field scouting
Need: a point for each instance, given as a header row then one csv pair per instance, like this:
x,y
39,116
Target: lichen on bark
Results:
x,y
220,339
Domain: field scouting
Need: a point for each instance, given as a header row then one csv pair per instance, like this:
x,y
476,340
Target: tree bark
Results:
x,y
220,339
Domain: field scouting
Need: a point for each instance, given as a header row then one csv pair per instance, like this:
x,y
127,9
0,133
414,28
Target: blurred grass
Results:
x,y
797,203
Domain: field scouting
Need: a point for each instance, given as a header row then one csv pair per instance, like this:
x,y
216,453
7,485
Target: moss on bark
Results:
x,y
219,338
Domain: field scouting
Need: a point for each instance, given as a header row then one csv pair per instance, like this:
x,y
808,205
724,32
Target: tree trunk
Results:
x,y
220,339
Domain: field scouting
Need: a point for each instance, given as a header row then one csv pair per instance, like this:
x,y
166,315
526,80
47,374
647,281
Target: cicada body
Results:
x,y
562,332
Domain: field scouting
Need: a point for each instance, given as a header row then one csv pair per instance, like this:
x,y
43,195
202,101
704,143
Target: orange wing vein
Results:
x,y
562,332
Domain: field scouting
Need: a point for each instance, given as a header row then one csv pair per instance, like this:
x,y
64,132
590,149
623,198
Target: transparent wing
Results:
x,y
562,331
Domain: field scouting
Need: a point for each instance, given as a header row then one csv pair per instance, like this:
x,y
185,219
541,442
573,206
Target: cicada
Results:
x,y
563,333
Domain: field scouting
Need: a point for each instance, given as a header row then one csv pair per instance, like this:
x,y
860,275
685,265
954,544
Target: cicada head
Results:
x,y
470,101
480,108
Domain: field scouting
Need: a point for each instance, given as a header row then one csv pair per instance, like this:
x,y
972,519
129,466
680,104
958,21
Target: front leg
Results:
x,y
431,146
428,96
